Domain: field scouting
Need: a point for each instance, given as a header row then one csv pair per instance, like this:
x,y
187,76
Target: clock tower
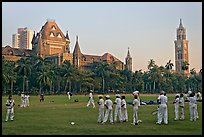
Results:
x,y
181,50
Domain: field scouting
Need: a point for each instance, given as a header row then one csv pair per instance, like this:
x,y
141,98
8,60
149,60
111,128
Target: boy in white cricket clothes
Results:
x,y
181,105
100,109
27,100
117,112
176,107
109,110
10,108
192,107
136,104
91,100
22,99
162,99
124,109
68,95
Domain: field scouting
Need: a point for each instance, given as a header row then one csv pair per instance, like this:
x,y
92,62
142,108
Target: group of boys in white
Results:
x,y
120,110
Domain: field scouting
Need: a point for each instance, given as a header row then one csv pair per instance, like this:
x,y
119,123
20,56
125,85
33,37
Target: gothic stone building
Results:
x,y
52,43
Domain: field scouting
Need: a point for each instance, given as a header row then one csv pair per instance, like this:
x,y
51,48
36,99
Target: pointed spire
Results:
x,y
67,35
77,50
128,54
180,25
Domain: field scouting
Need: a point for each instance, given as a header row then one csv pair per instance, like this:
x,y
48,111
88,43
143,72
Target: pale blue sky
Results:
x,y
149,29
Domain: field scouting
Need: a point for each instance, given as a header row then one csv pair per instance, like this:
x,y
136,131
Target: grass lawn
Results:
x,y
54,115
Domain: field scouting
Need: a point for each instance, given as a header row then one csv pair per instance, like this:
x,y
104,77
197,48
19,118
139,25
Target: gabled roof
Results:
x,y
51,31
109,57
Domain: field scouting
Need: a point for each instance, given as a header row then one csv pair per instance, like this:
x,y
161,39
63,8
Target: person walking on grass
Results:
x,y
91,100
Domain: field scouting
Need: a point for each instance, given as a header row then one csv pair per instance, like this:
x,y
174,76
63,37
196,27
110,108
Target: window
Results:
x,y
52,34
59,36
53,28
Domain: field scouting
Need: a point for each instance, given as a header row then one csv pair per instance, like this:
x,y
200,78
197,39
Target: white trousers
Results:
x,y
193,113
176,110
162,113
135,115
108,112
100,114
91,101
26,103
182,113
23,103
117,113
10,112
124,114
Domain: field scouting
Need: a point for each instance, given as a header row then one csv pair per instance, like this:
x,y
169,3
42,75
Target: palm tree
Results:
x,y
101,70
151,64
23,69
169,65
67,73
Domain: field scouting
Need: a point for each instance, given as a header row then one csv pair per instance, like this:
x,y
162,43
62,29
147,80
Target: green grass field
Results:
x,y
54,118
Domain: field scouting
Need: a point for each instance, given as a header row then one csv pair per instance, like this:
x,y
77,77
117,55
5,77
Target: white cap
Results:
x,y
189,92
117,95
107,96
135,92
177,95
91,90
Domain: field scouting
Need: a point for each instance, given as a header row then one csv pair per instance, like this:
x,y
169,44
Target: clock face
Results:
x,y
179,46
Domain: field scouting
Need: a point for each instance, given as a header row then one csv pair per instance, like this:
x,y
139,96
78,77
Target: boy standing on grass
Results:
x,y
163,113
124,109
109,107
27,99
176,107
101,109
136,104
181,105
10,108
117,112
192,107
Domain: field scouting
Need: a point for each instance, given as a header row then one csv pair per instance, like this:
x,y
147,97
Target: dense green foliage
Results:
x,y
36,75
54,115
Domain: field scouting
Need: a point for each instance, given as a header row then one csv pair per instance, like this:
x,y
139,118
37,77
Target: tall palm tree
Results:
x,y
101,70
67,73
23,69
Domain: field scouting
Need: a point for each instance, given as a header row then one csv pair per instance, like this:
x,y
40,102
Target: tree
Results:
x,y
23,69
169,65
101,70
151,64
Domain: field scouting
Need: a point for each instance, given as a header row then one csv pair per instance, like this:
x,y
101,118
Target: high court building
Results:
x,y
50,42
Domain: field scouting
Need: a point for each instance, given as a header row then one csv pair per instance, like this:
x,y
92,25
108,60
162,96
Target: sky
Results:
x,y
147,28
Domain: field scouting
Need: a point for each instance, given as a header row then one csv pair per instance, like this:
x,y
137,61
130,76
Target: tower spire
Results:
x,y
128,54
67,35
180,25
